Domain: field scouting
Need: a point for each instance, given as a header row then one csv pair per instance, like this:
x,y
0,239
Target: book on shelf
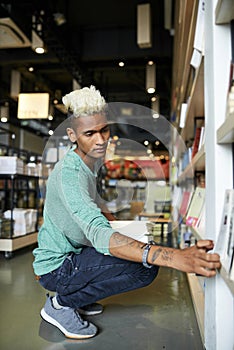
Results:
x,y
231,274
200,27
196,141
186,198
230,93
202,138
225,242
196,59
201,223
196,206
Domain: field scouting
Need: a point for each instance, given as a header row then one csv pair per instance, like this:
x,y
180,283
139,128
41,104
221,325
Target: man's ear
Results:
x,y
71,134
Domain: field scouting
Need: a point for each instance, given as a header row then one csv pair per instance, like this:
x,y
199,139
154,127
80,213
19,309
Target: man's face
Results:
x,y
91,134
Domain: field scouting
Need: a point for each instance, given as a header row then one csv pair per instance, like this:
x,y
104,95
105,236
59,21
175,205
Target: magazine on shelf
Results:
x,y
225,242
197,204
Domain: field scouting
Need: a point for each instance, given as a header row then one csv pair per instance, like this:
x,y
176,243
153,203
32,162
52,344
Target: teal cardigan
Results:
x,y
71,218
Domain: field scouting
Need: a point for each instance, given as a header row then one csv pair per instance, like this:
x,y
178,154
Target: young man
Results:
x,y
79,256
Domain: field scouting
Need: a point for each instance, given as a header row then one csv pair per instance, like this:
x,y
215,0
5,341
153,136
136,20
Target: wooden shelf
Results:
x,y
224,11
198,299
225,133
14,243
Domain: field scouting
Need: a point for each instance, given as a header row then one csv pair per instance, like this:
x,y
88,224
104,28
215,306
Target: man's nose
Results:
x,y
100,139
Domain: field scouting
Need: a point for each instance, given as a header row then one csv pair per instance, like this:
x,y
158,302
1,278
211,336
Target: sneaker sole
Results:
x,y
89,313
52,321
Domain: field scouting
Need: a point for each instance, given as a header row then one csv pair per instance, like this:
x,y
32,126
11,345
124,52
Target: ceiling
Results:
x,y
87,48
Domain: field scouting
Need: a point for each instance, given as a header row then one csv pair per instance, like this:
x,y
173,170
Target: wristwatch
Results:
x,y
146,252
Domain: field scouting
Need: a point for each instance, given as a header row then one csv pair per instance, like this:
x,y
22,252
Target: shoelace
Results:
x,y
77,315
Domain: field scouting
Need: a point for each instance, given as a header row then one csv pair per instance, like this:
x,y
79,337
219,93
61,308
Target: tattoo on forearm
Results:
x,y
156,254
120,240
166,255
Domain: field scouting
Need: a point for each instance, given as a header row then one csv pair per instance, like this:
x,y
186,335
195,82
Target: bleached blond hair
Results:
x,y
84,102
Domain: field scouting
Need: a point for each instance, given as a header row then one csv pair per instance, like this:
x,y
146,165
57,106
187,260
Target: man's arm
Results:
x,y
193,259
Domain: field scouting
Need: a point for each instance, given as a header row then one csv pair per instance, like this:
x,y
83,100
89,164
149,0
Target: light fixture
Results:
x,y
15,84
37,43
144,33
4,113
146,142
155,104
50,132
30,69
121,64
151,78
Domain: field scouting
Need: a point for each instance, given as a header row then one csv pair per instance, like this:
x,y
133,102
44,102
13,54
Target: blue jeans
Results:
x,y
90,276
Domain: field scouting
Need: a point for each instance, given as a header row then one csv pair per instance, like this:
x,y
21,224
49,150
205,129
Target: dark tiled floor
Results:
x,y
160,316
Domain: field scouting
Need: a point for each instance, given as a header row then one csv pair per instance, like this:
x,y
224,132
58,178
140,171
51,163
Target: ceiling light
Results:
x,y
153,99
37,43
4,113
150,78
151,90
121,64
30,69
150,63
155,105
144,30
146,142
50,132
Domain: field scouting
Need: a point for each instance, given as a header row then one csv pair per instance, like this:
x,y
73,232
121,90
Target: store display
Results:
x,y
19,199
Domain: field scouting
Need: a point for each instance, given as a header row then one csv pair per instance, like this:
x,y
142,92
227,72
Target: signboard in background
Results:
x,y
33,106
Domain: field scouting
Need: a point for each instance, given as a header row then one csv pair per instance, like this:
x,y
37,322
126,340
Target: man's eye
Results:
x,y
88,134
106,129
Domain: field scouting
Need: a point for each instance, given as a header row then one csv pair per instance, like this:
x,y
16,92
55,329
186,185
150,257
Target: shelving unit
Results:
x,y
14,186
206,95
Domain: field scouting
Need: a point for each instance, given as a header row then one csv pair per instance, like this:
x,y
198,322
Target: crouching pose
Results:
x,y
79,256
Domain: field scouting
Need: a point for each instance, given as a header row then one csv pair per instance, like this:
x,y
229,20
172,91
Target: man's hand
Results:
x,y
193,259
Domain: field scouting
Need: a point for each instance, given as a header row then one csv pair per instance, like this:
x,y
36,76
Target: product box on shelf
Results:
x,y
11,165
5,227
24,220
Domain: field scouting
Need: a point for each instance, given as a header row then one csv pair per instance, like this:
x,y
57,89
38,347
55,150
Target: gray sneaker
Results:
x,y
91,309
68,321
